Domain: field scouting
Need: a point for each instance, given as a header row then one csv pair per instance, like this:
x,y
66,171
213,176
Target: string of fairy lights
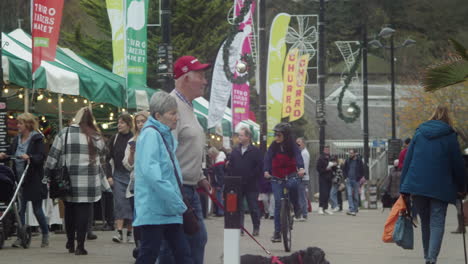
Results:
x,y
50,98
105,123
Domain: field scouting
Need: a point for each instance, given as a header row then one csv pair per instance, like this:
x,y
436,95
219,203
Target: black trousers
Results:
x,y
252,203
339,194
324,189
108,200
76,222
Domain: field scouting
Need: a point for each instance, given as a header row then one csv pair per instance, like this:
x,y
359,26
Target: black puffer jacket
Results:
x,y
33,188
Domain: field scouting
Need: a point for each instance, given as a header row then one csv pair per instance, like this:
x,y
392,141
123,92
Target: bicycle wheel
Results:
x,y
286,224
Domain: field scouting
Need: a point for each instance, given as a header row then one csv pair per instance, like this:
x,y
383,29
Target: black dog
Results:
x,y
312,255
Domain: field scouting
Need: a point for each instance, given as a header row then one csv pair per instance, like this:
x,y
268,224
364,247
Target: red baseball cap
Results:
x,y
187,64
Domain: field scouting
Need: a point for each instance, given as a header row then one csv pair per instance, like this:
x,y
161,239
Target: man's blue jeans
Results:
x,y
352,188
152,237
334,196
303,201
197,242
432,213
277,187
219,196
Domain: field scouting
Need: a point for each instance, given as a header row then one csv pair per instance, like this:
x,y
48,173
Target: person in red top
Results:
x,y
283,160
401,157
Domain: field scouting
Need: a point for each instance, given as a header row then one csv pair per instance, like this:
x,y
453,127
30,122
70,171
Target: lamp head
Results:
x,y
409,42
375,44
386,32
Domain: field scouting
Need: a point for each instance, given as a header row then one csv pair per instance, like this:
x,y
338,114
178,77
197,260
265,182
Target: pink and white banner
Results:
x,y
241,92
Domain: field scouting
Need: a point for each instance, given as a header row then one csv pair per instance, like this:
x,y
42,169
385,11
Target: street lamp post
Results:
x,y
321,74
387,32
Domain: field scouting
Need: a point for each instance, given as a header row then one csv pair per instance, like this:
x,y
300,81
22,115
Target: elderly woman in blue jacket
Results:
x,y
433,173
158,200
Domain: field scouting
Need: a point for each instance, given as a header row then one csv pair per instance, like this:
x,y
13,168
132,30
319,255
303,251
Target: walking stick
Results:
x,y
463,231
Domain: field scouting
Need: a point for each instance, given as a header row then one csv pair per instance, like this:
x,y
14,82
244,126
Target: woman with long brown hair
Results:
x,y
84,149
433,174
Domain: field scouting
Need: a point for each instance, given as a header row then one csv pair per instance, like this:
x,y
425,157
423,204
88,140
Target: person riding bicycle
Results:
x,y
283,160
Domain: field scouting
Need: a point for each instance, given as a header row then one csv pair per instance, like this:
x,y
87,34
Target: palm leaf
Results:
x,y
461,50
448,74
445,75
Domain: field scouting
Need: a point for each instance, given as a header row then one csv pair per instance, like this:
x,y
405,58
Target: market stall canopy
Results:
x,y
69,74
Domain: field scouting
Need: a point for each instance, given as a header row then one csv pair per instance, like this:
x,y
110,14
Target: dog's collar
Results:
x,y
276,260
299,257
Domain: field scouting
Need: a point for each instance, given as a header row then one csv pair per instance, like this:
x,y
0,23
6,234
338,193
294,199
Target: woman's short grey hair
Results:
x,y
213,152
162,102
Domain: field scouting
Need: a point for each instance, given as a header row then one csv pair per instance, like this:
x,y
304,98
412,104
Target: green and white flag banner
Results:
x,y
136,45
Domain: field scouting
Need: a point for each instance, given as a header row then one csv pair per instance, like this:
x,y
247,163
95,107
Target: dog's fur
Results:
x,y
312,255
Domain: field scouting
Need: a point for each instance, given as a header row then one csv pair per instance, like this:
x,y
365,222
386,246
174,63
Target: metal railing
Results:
x,y
378,167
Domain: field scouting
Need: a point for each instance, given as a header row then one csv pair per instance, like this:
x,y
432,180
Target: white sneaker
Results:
x,y
300,219
336,209
320,211
130,239
328,212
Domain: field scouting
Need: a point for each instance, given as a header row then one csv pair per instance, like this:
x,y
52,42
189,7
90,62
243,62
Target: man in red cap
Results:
x,y
190,83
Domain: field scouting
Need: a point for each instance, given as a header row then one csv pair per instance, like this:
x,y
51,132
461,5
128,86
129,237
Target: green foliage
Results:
x,y
97,47
449,73
11,11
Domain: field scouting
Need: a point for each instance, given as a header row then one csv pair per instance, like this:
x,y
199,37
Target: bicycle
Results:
x,y
286,212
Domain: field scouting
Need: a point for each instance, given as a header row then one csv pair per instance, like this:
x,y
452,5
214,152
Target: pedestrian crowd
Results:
x,y
149,176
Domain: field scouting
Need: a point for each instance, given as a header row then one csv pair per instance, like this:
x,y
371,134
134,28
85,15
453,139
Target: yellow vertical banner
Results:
x,y
298,93
289,78
276,54
115,11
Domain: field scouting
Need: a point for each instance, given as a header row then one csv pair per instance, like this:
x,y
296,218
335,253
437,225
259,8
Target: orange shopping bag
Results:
x,y
399,206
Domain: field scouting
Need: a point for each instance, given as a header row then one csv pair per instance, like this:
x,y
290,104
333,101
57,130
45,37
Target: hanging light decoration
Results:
x,y
75,100
49,100
20,96
61,100
102,106
85,101
40,97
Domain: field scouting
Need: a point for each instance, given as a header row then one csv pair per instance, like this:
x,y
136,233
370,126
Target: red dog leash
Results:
x,y
274,259
213,198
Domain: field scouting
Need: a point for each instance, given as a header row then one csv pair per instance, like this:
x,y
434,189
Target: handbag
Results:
x,y
387,200
403,232
190,219
59,178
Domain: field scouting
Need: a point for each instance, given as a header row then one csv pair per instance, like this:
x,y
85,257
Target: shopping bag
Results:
x,y
403,232
398,207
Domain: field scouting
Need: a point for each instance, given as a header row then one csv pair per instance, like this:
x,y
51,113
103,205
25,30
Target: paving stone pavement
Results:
x,y
345,239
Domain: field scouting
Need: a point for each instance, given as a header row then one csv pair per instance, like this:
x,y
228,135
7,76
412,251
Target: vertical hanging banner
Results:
x,y
241,92
221,87
298,93
115,11
136,47
289,77
46,18
276,54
